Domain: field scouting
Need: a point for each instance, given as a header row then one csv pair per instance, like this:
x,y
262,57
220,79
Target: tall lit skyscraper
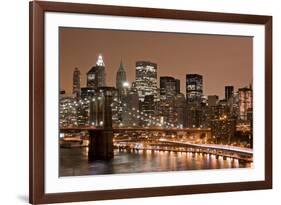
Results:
x,y
228,92
120,77
194,88
194,94
245,96
76,82
96,75
146,79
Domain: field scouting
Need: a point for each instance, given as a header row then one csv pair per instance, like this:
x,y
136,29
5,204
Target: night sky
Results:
x,y
222,60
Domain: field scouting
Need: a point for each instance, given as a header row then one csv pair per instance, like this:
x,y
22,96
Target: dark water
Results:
x,y
74,161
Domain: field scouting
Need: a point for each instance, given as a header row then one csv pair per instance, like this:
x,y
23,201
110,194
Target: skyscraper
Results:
x,y
180,110
76,82
96,75
130,108
120,77
146,79
228,92
177,86
245,96
194,93
67,112
194,88
148,107
169,86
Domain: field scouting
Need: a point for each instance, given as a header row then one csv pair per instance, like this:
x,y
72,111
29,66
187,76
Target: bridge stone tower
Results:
x,y
101,140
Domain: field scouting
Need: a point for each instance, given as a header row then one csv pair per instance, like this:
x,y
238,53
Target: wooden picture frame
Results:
x,y
37,193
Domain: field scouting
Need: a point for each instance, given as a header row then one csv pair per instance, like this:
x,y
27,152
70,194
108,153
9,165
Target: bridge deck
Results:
x,y
214,146
137,129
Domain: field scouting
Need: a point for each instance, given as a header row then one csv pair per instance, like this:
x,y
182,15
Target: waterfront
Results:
x,y
74,162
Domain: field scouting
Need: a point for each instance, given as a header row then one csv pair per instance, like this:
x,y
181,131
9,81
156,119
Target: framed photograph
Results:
x,y
138,102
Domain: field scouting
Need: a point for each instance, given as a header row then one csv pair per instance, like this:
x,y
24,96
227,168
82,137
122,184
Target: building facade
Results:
x,y
178,88
146,79
73,111
67,111
148,108
169,86
228,92
194,94
130,108
245,96
76,83
121,78
96,75
194,88
180,110
223,129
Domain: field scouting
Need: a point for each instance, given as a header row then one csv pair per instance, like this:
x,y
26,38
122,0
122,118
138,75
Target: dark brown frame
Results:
x,y
36,151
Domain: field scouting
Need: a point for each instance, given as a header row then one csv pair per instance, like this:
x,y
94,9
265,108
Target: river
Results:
x,y
74,162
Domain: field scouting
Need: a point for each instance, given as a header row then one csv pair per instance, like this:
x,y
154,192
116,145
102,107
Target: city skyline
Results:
x,y
118,124
212,86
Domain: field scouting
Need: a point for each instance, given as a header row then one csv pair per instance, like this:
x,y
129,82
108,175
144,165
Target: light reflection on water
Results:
x,y
74,161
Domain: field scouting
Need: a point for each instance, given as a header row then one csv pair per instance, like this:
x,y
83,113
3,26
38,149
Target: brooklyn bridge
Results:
x,y
102,142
